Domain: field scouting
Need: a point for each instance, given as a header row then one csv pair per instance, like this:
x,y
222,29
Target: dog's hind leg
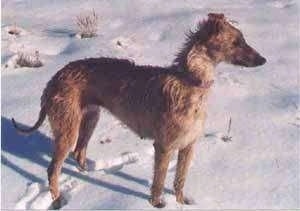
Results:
x,y
87,126
161,164
185,157
65,126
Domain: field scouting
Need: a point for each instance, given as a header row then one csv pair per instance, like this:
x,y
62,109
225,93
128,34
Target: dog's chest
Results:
x,y
191,135
193,125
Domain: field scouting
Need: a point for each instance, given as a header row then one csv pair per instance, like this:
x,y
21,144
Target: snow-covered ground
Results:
x,y
259,168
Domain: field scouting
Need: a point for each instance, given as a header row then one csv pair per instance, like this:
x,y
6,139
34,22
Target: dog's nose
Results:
x,y
263,60
260,60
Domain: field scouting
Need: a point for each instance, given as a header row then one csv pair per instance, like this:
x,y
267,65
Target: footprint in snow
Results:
x,y
157,36
114,164
296,120
37,195
281,4
116,24
15,30
127,45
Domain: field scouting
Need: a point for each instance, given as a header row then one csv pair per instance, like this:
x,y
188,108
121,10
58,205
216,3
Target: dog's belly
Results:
x,y
138,123
139,119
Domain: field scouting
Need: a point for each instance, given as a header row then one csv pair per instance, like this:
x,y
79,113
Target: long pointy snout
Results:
x,y
259,60
248,57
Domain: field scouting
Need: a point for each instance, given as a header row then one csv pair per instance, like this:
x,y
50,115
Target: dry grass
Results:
x,y
28,60
87,24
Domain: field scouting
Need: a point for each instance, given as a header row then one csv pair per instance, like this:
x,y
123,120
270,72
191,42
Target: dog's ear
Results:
x,y
216,22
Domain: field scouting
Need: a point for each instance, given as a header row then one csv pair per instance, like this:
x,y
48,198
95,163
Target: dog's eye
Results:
x,y
239,42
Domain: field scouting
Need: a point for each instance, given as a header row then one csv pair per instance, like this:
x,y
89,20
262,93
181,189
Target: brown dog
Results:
x,y
165,104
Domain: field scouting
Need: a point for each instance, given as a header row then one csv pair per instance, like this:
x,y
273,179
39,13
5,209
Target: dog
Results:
x,y
166,104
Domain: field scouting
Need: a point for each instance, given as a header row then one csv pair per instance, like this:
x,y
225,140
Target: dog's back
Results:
x,y
137,95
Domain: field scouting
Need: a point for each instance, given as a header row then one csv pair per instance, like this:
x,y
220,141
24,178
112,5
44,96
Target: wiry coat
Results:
x,y
147,99
165,104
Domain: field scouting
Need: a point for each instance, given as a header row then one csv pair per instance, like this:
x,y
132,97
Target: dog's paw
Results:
x,y
188,200
58,203
158,202
180,198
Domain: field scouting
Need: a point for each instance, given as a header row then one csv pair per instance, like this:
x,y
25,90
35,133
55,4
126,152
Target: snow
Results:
x,y
258,169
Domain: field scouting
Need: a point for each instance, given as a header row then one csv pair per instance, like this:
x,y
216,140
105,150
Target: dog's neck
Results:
x,y
199,65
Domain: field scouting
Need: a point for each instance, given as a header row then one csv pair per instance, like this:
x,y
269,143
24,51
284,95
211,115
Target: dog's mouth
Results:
x,y
249,62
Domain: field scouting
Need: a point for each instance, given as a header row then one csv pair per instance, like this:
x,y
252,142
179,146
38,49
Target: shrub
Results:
x,y
87,24
28,60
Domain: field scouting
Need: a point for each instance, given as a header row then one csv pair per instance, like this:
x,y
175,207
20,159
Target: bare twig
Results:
x,y
277,164
227,138
229,127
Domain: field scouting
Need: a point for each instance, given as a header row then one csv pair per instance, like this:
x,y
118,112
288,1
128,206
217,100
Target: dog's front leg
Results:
x,y
185,157
161,164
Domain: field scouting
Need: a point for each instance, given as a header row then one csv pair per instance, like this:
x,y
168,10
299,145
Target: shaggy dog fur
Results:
x,y
167,104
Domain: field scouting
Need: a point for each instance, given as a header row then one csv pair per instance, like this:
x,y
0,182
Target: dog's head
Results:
x,y
227,43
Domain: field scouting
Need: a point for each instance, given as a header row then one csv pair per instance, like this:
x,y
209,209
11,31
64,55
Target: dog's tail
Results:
x,y
41,119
